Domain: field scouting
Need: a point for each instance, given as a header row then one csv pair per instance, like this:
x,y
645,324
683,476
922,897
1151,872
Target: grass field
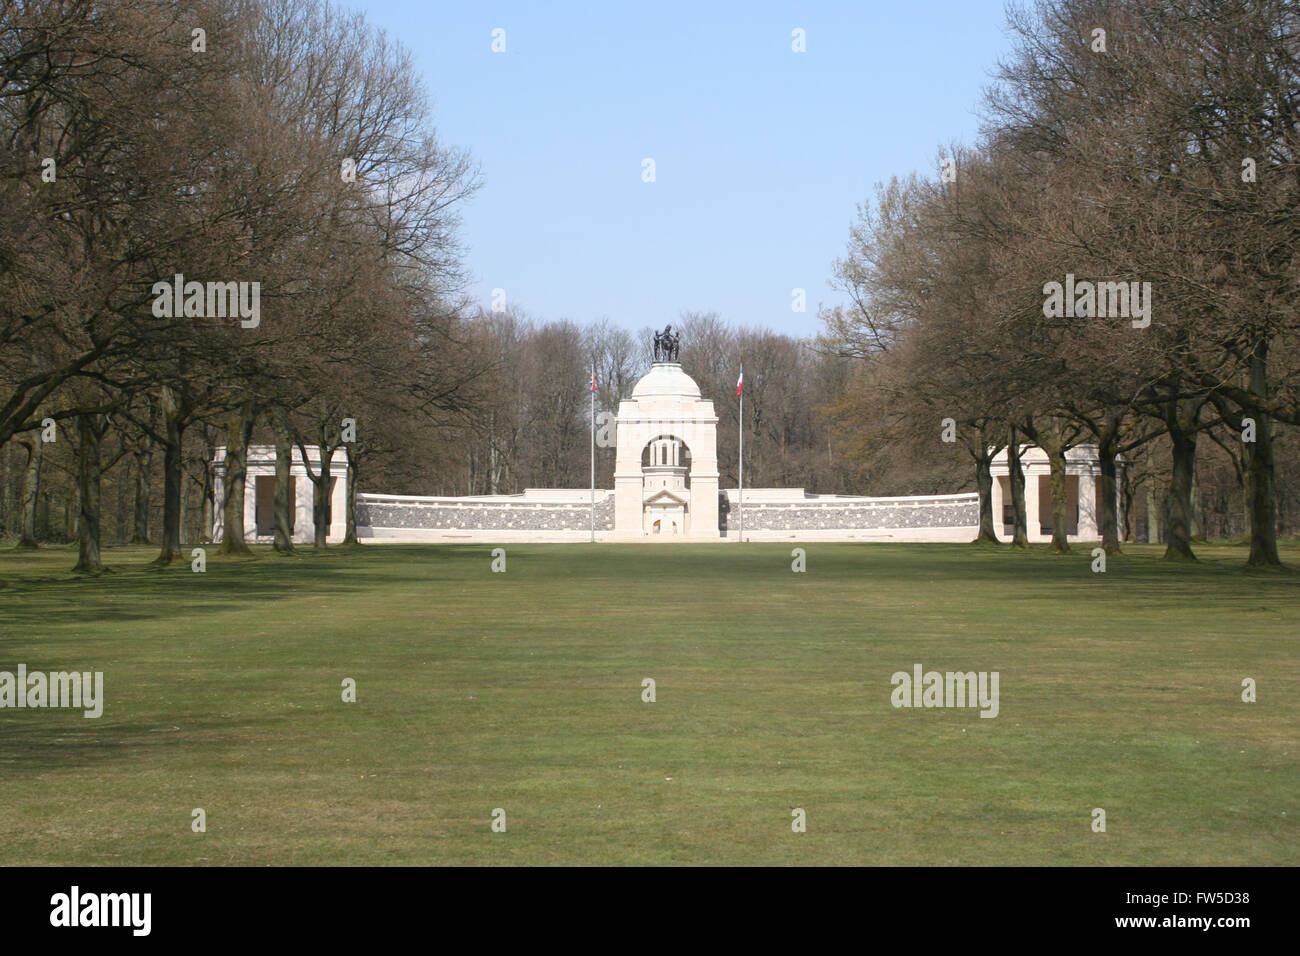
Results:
x,y
522,690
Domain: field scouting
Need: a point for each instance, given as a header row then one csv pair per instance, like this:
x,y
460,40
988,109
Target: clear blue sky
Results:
x,y
761,153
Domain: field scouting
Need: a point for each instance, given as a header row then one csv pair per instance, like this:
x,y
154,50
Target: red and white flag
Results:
x,y
740,382
593,379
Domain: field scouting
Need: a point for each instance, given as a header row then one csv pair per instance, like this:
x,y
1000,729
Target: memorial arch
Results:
x,y
666,469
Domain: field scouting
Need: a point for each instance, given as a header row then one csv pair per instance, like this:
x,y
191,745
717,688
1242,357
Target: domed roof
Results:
x,y
666,379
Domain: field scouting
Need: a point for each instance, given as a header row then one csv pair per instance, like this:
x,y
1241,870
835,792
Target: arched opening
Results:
x,y
666,481
666,463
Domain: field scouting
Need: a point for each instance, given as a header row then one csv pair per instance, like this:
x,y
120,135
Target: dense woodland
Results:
x,y
296,149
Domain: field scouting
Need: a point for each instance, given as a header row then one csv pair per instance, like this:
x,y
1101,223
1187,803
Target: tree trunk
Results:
x,y
143,485
5,503
89,434
239,429
1195,517
1153,512
1247,496
173,433
1263,492
320,479
984,482
1180,495
1107,453
320,506
119,524
1060,497
1263,496
1127,507
1020,536
283,464
351,536
321,509
185,502
205,507
206,502
30,496
494,468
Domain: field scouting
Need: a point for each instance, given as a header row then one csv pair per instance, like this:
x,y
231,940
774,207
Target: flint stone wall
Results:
x,y
442,514
955,511
378,512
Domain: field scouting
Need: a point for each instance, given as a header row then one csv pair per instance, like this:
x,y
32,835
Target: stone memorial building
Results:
x,y
666,488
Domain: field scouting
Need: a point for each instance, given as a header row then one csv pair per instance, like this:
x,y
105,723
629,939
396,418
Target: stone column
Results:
x,y
629,483
303,525
998,500
250,505
703,440
1033,528
218,468
1089,529
339,498
704,505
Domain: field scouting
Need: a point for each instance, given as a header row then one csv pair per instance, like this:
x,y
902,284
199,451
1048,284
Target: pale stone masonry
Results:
x,y
401,517
1082,486
259,494
666,488
778,513
662,425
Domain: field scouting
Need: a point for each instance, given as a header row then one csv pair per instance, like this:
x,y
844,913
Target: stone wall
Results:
x,y
846,513
541,515
379,513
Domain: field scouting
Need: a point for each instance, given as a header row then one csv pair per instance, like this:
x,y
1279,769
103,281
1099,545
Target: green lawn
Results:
x,y
522,690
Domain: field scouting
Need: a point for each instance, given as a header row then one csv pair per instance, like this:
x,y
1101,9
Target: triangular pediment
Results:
x,y
664,496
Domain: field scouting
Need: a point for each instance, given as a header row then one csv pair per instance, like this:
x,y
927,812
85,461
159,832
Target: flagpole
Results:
x,y
741,496
593,452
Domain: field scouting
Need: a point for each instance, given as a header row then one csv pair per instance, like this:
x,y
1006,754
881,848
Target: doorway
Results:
x,y
264,490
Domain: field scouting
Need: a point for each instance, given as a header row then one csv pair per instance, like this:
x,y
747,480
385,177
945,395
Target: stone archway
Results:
x,y
661,426
665,486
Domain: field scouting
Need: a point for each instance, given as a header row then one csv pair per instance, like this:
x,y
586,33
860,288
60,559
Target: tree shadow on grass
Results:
x,y
140,592
122,599
50,741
